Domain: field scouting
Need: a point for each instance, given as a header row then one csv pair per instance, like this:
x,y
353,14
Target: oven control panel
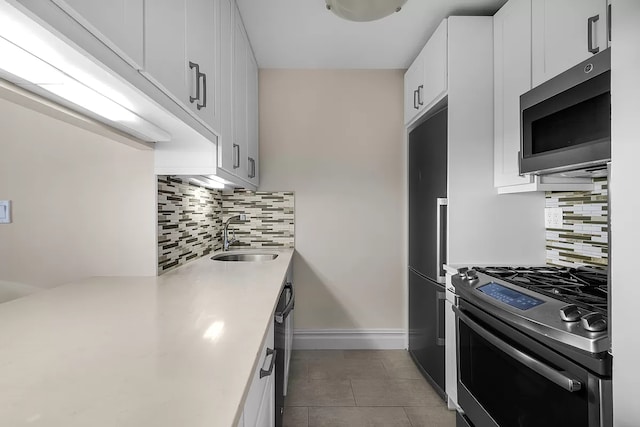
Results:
x,y
509,296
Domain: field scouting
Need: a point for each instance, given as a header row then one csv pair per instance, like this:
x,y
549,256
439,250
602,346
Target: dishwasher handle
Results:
x,y
281,315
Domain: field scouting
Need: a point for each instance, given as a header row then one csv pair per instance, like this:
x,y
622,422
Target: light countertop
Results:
x,y
175,350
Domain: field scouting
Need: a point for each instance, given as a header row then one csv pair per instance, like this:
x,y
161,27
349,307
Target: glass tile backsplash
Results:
x,y
191,218
583,237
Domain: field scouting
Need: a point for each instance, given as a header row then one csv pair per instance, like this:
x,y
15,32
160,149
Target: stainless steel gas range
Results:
x,y
533,347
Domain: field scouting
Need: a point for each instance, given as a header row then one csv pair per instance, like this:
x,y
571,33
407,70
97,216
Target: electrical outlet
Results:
x,y
553,217
5,211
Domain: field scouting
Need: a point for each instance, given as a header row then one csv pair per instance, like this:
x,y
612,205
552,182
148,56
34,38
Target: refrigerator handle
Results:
x,y
440,202
441,297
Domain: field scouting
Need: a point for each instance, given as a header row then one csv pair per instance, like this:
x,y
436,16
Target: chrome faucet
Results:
x,y
225,235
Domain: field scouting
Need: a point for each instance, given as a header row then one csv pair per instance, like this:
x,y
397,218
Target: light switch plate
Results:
x,y
553,217
5,211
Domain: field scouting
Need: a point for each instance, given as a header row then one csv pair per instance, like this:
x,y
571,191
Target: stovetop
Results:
x,y
554,304
584,287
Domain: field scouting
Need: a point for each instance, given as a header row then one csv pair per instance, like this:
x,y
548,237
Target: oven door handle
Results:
x,y
553,375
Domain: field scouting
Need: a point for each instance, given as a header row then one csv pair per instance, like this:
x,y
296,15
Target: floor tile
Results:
x,y
395,392
295,416
319,393
377,354
317,354
431,417
335,369
402,369
299,369
358,417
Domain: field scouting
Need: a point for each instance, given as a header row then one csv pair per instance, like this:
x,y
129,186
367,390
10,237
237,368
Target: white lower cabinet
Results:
x,y
260,404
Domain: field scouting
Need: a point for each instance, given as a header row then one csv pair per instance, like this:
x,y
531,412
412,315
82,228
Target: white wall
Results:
x,y
83,204
625,207
335,137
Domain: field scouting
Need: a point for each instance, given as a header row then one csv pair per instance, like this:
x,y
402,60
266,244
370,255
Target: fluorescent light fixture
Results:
x,y
206,181
364,10
32,58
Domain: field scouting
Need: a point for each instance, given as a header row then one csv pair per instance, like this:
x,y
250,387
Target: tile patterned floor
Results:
x,y
361,388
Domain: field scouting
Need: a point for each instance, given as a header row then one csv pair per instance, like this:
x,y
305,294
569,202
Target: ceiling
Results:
x,y
304,34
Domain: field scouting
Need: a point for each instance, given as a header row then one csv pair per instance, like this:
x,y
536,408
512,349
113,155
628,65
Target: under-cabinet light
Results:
x,y
207,182
22,64
34,59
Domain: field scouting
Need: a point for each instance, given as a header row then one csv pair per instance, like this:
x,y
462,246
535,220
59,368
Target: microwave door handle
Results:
x,y
553,375
590,23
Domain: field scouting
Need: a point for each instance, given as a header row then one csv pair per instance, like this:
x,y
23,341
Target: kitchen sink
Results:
x,y
244,257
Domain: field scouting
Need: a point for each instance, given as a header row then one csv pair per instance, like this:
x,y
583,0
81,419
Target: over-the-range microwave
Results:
x,y
566,121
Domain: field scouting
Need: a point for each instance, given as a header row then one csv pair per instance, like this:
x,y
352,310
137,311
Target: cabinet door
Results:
x,y
165,48
512,78
252,119
560,31
203,41
435,67
239,82
266,413
225,143
412,82
117,23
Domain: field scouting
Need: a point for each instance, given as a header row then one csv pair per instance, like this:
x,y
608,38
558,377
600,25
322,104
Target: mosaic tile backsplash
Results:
x,y
583,238
270,218
191,220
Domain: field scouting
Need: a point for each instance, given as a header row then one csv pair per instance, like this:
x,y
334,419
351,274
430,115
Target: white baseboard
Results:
x,y
349,339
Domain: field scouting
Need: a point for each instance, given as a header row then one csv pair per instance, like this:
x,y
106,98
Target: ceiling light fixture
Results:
x,y
364,10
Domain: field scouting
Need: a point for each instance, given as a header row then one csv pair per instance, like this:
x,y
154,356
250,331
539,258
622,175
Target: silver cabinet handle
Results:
x,y
252,167
281,315
590,22
192,99
441,296
236,156
553,375
440,274
415,102
273,353
420,94
204,92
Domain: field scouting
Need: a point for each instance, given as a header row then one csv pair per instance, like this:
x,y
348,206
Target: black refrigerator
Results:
x,y
427,246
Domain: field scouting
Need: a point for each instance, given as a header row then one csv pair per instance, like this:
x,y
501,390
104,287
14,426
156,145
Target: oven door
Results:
x,y
507,379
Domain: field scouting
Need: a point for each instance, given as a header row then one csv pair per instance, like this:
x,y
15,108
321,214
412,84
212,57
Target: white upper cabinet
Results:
x,y
413,84
565,33
425,82
512,78
238,149
117,23
435,67
253,174
512,37
182,54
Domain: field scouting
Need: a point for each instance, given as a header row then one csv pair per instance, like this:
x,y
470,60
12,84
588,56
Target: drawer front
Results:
x,y
259,385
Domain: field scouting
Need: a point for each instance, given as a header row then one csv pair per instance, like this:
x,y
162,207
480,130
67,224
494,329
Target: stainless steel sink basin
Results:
x,y
244,257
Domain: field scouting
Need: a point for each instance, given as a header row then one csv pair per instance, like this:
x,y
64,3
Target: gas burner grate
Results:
x,y
584,287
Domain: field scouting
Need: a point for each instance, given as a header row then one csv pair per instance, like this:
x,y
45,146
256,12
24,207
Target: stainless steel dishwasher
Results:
x,y
283,342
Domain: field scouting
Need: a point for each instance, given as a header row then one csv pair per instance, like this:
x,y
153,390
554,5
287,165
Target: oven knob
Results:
x,y
594,322
471,275
570,313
